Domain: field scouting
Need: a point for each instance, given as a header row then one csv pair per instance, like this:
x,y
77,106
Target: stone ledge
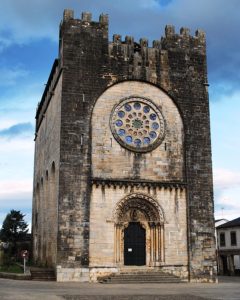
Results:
x,y
143,183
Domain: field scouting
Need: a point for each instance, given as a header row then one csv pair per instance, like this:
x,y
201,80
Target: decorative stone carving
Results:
x,y
138,183
137,124
136,205
140,208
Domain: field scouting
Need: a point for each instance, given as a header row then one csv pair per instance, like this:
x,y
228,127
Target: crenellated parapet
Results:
x,y
84,21
172,40
183,40
178,41
86,17
173,55
139,60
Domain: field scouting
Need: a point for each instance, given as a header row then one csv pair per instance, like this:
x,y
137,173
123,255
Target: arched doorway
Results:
x,y
139,231
134,245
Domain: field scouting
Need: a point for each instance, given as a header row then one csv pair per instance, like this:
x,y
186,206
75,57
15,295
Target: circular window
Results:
x,y
137,124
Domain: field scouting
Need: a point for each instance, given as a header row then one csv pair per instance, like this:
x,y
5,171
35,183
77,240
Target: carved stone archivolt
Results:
x,y
138,206
144,209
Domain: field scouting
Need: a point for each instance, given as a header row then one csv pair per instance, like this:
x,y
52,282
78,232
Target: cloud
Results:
x,y
6,123
19,103
9,146
16,158
164,2
228,214
16,194
227,204
9,77
226,179
26,21
4,42
31,20
11,188
25,129
226,190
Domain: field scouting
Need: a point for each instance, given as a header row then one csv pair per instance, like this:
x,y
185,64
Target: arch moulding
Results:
x,y
152,211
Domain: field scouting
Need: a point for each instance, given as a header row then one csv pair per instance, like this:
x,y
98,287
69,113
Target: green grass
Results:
x,y
11,269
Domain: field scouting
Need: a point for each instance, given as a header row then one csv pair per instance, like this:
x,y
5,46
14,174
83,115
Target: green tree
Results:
x,y
14,229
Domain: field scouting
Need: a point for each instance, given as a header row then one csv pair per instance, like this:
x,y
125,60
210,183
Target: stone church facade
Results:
x,y
123,173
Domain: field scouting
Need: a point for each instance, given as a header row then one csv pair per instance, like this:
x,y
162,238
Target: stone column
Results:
x,y
151,244
162,243
117,243
158,244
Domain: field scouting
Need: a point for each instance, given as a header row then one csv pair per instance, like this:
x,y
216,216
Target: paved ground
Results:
x,y
228,288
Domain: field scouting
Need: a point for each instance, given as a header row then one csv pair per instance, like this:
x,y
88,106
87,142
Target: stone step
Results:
x,y
137,269
41,274
139,281
144,279
147,277
133,276
145,274
140,272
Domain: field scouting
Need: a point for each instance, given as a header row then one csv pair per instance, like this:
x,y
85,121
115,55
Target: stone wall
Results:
x,y
89,65
46,174
111,161
102,240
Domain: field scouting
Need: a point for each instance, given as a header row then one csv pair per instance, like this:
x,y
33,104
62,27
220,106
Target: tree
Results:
x,y
14,229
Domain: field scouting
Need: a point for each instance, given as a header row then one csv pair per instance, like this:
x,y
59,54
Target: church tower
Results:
x,y
123,171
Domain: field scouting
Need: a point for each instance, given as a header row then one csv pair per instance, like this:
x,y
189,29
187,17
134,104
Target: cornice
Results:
x,y
138,183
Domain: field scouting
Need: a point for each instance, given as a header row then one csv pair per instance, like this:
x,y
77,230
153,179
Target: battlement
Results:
x,y
182,40
68,15
87,41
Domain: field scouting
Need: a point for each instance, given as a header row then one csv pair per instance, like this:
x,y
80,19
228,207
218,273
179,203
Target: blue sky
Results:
x,y
29,44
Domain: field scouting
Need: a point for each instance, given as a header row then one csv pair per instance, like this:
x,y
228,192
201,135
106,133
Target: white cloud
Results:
x,y
39,17
5,123
17,195
23,21
228,214
14,187
19,105
18,201
36,20
16,146
226,179
227,191
229,199
16,159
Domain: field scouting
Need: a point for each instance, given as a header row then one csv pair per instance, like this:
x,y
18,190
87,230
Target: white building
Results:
x,y
228,246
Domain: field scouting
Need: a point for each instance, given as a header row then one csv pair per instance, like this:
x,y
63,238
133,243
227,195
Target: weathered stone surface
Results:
x,y
82,172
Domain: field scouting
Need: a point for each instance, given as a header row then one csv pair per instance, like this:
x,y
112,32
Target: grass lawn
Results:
x,y
11,269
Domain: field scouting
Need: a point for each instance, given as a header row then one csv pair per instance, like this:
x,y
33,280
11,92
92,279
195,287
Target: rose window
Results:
x,y
137,124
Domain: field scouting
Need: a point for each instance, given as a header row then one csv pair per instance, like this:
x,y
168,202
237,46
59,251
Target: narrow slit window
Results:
x,y
81,139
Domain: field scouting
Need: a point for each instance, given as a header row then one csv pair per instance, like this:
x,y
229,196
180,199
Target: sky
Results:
x,y
29,45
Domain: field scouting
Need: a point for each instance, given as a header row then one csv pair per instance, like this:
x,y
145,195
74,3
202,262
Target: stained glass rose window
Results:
x,y
137,124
